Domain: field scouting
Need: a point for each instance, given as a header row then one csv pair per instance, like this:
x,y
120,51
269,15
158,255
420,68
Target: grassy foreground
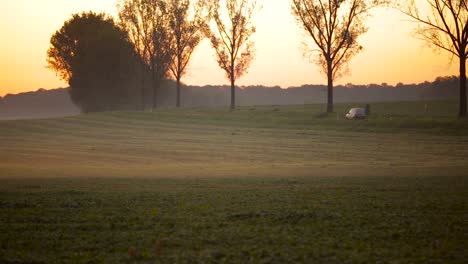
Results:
x,y
234,220
258,185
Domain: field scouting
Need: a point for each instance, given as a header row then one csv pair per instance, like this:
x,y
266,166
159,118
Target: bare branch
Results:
x,y
334,26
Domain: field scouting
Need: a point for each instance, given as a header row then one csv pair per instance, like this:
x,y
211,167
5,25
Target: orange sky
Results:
x,y
391,54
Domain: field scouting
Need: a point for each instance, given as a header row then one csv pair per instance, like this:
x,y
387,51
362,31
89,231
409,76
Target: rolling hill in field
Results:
x,y
288,140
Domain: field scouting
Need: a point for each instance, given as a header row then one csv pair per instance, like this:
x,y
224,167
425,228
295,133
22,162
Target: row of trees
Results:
x,y
154,41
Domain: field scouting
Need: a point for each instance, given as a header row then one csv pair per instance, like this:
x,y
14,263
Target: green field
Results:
x,y
269,184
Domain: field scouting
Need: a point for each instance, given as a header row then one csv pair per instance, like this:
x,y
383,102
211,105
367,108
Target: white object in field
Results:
x,y
356,113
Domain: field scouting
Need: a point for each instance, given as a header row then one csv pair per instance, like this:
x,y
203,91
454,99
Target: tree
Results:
x,y
147,23
232,38
95,57
334,26
188,28
445,27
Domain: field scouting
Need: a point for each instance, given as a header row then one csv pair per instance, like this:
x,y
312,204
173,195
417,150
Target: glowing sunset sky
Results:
x,y
391,55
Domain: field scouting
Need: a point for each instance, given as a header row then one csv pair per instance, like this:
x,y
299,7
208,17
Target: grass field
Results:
x,y
261,184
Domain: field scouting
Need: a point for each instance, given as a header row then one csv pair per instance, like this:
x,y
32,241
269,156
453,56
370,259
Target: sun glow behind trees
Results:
x,y
390,53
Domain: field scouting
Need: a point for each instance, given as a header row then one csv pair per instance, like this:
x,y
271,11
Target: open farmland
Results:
x,y
261,184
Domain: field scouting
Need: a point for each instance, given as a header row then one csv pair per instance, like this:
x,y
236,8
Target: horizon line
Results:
x,y
253,85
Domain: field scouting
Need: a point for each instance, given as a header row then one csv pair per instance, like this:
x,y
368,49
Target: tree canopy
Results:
x,y
94,56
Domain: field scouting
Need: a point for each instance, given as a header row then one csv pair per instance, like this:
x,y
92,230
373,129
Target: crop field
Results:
x,y
272,184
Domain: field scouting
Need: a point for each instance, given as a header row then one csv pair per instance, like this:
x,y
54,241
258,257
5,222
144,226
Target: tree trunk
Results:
x,y
330,87
155,88
155,93
143,93
462,112
178,93
233,92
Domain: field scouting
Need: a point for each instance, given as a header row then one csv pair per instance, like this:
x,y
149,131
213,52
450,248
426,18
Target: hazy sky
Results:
x,y
391,54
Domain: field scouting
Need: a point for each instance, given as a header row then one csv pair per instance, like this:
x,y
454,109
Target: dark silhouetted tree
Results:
x,y
334,26
95,57
445,27
188,26
147,23
231,38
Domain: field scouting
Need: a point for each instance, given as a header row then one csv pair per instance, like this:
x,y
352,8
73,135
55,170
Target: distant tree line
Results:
x,y
442,88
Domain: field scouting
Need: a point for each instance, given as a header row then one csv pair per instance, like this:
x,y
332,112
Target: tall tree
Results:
x,y
231,38
135,19
334,26
95,57
188,27
445,27
147,23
